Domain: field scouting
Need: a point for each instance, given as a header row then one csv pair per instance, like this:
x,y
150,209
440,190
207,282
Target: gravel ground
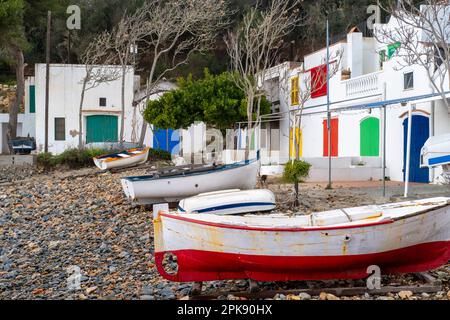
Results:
x,y
52,225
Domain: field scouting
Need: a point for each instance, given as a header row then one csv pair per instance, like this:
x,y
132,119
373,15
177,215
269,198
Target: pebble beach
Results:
x,y
53,225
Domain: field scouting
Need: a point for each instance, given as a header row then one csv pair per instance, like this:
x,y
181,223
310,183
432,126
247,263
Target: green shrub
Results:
x,y
46,160
81,158
296,171
159,154
73,158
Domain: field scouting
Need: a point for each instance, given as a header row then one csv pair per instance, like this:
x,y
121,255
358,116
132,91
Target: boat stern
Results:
x,y
99,163
127,187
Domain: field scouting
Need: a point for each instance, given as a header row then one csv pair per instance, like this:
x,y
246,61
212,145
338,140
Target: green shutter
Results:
x,y
32,99
101,128
392,48
370,137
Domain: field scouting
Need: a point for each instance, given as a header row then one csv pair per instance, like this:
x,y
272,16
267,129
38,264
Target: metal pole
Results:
x,y
47,78
408,150
294,140
433,115
384,140
328,106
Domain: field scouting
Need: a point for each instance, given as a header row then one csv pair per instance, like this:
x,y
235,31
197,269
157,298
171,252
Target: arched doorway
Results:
x,y
420,132
369,137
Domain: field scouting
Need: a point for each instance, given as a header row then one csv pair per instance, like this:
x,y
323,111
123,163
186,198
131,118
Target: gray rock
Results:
x,y
167,293
147,290
147,297
304,296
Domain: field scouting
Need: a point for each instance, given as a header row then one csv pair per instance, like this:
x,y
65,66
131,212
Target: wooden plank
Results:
x,y
355,291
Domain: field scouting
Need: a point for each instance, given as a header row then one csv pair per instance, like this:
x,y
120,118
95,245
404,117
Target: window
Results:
x,y
382,58
60,129
408,80
32,99
439,56
294,91
319,81
102,102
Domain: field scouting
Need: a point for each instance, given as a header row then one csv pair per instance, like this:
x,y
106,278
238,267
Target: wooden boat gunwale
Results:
x,y
115,156
353,225
190,173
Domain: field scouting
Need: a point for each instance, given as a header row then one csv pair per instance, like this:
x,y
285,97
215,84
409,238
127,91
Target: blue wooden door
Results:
x,y
420,132
167,139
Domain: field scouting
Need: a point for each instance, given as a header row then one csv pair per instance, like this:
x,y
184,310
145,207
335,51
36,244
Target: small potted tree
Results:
x,y
294,172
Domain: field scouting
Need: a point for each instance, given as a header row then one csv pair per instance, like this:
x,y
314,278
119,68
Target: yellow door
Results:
x,y
298,141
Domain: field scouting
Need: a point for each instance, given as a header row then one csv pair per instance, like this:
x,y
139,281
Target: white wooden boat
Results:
x,y
436,152
124,159
173,187
340,244
229,202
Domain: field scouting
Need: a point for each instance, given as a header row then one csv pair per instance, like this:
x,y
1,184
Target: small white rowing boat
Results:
x,y
175,186
229,202
340,244
124,159
436,152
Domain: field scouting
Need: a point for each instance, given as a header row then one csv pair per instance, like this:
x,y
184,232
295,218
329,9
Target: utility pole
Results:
x,y
47,77
328,107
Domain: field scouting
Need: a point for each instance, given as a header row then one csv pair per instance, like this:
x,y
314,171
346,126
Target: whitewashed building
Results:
x,y
368,72
101,113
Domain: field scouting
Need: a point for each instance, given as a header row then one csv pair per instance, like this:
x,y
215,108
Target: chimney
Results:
x,y
355,51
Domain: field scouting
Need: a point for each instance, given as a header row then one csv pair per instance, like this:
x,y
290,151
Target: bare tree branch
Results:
x,y
254,46
176,29
423,34
97,60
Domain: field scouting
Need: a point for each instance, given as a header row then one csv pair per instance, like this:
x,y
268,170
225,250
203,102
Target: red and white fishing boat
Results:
x,y
340,244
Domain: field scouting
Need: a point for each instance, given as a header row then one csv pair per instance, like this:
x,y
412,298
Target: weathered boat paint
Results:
x,y
125,159
408,237
152,189
229,202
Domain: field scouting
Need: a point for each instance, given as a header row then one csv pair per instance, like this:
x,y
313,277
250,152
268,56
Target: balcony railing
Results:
x,y
363,85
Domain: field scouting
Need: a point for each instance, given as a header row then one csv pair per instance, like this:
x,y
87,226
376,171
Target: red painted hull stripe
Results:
x,y
194,265
227,226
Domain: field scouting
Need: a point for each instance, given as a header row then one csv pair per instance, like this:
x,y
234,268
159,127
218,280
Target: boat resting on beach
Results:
x,y
123,159
339,244
180,183
229,202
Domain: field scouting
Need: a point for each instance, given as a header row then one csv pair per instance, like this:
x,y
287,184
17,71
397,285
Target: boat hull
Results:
x,y
229,202
122,163
207,251
174,189
436,152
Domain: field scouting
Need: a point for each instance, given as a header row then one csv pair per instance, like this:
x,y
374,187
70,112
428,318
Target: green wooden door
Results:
x,y
101,128
370,137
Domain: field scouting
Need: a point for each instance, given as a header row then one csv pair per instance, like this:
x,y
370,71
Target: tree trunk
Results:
x,y
143,133
80,115
296,202
144,123
250,100
20,93
122,118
